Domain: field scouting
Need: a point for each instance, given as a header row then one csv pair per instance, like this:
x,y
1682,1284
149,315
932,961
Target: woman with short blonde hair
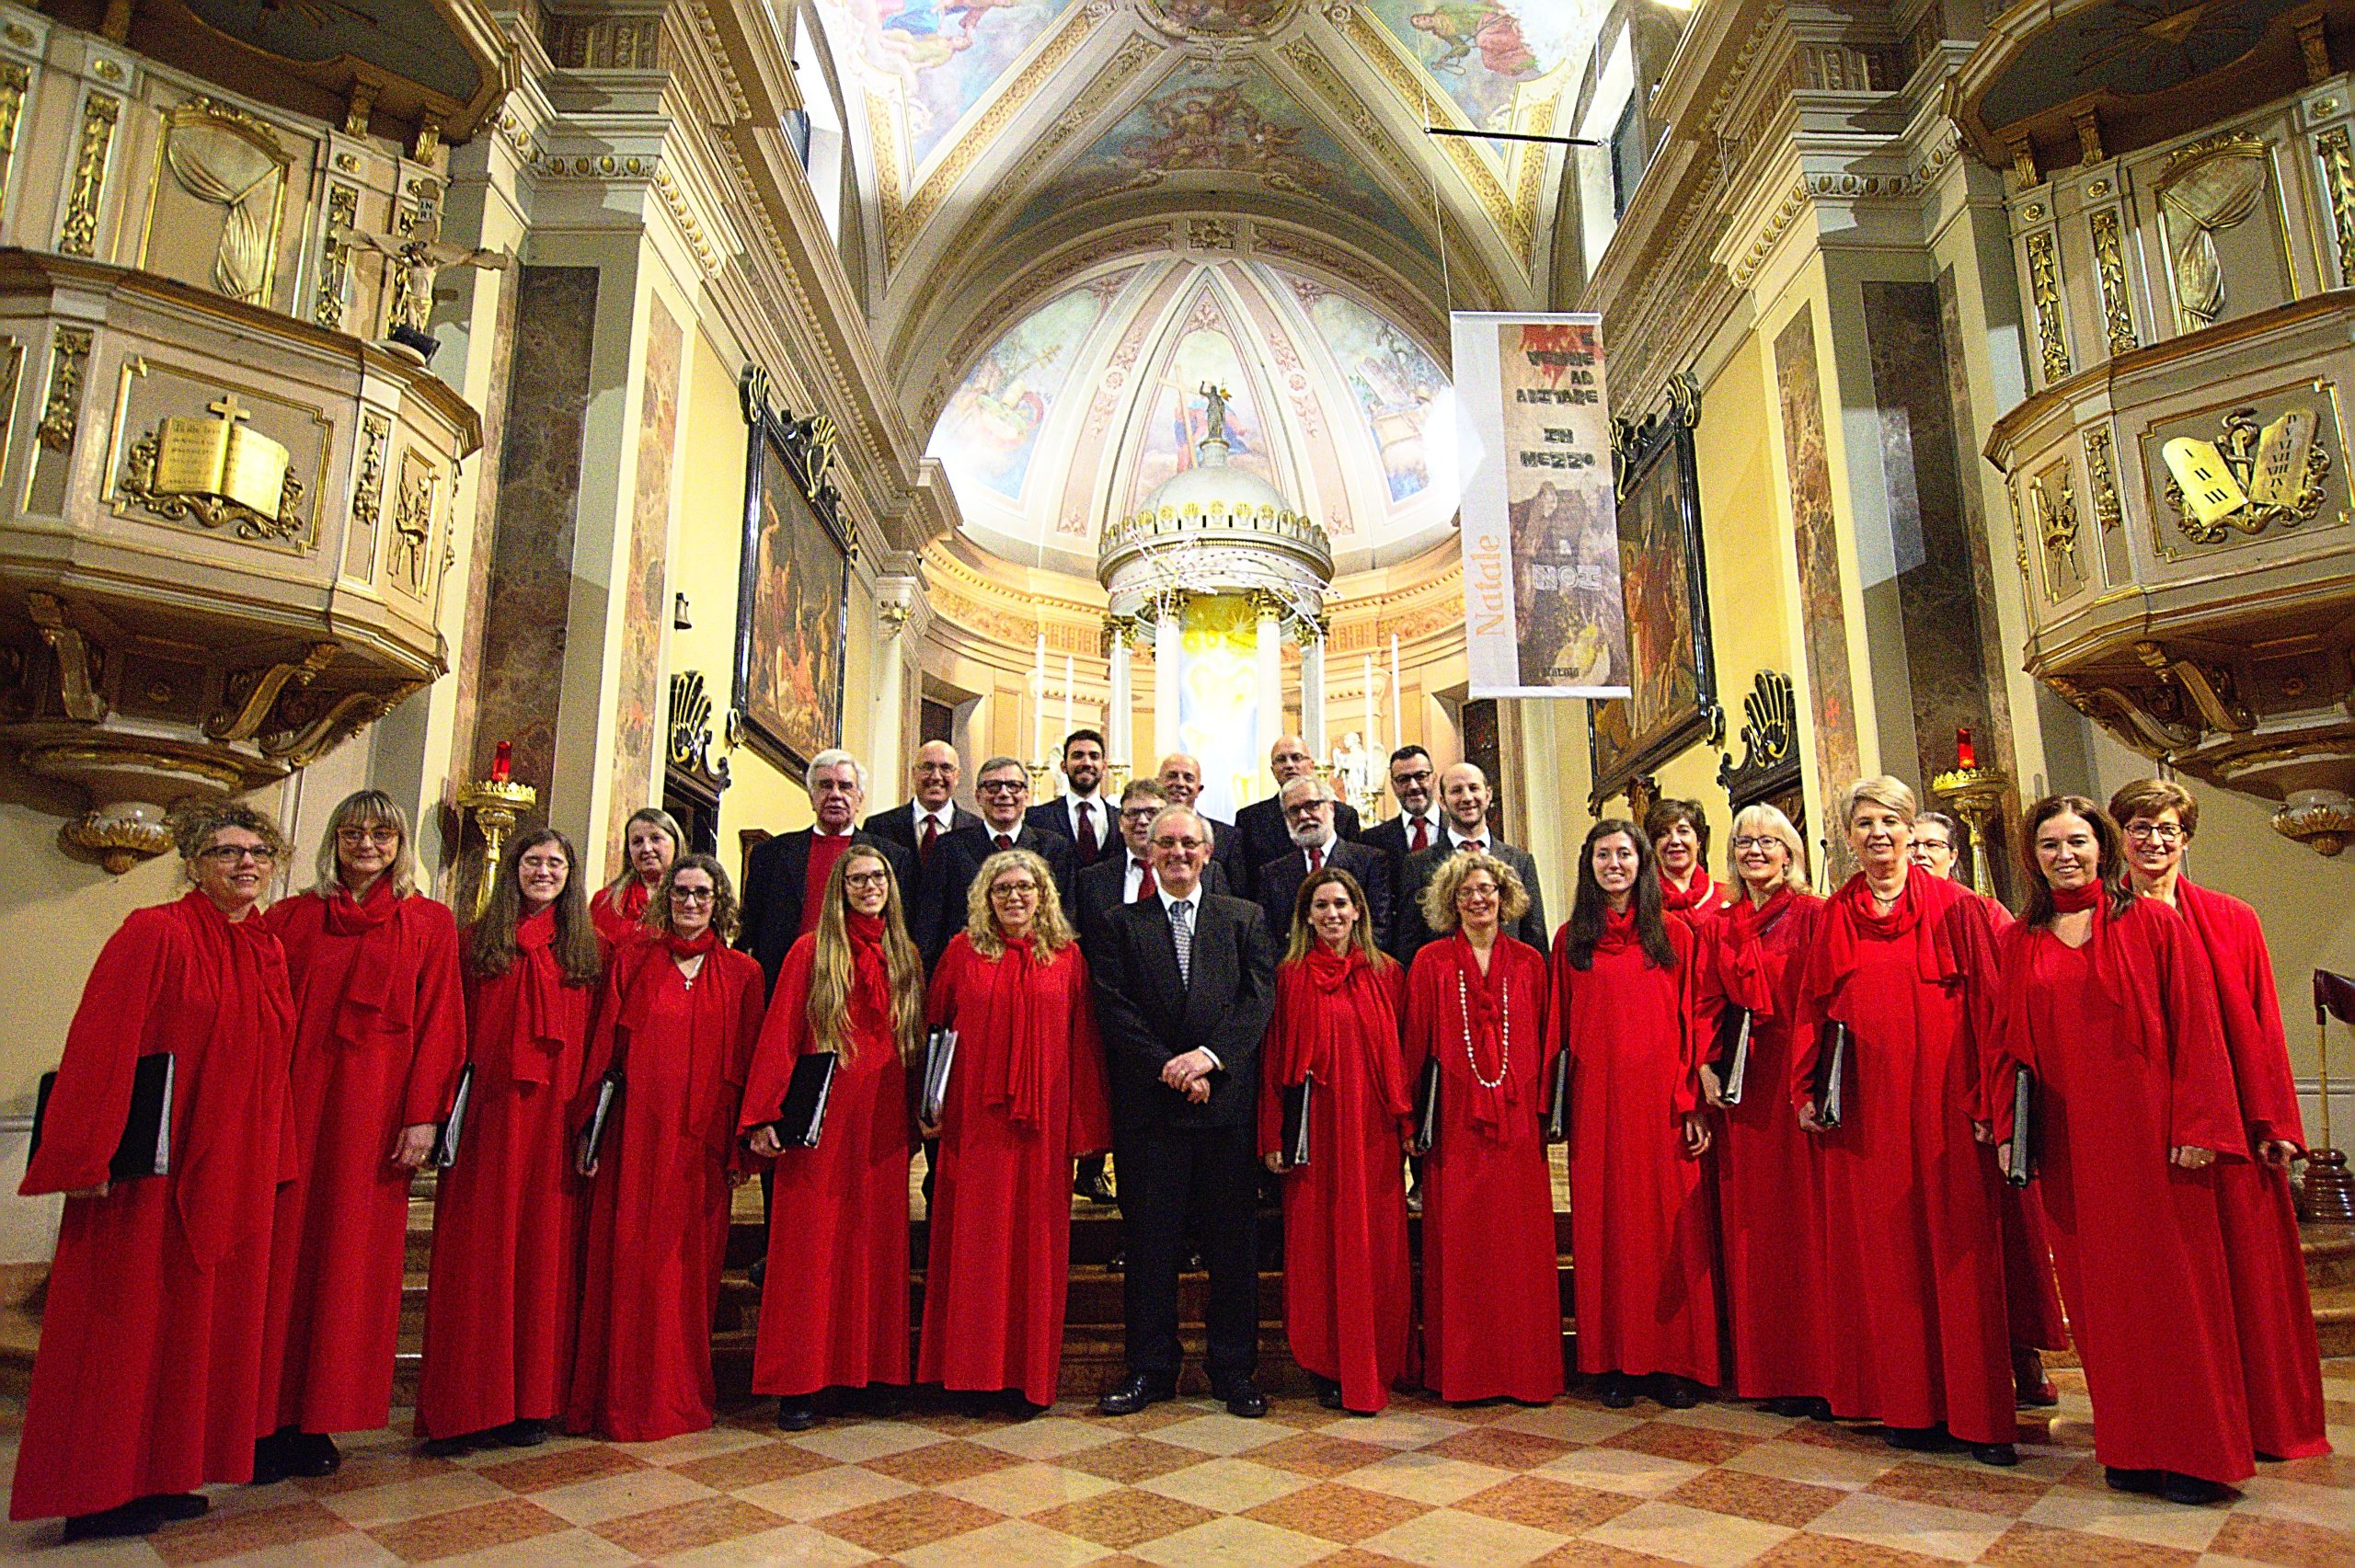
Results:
x,y
1047,929
1438,901
1764,819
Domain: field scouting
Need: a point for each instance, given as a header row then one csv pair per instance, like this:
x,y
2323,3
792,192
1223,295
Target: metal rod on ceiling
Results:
x,y
1511,136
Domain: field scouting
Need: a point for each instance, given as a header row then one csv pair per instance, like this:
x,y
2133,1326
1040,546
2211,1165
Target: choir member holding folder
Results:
x,y
1915,1302
1334,1088
380,1036
145,1384
1769,1169
1022,1097
651,839
2271,1302
834,1304
675,1030
508,1209
2108,1000
1477,1020
1644,1233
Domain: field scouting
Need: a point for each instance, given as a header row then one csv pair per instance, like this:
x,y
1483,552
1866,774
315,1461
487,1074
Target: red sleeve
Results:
x,y
785,1033
604,1029
1694,1042
1807,1022
1708,990
1090,1131
128,988
1419,1015
2204,1107
2010,1044
1972,932
439,1023
2252,1016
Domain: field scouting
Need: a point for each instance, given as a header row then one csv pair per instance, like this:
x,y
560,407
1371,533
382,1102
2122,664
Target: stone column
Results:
x,y
1168,649
1311,693
1270,651
1119,717
895,600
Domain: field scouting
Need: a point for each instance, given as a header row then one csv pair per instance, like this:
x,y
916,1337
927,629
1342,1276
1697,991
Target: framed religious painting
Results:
x,y
793,586
1675,706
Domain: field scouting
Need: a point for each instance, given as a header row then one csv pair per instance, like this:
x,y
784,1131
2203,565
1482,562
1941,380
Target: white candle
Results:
x,y
1067,680
1397,695
1039,699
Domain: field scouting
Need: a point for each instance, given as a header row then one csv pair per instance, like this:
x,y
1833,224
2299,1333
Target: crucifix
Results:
x,y
418,256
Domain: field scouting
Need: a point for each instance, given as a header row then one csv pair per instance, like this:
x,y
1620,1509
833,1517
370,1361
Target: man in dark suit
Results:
x,y
1185,981
1262,823
784,876
931,812
1182,783
1309,810
1003,786
1420,821
1124,878
1464,791
1081,814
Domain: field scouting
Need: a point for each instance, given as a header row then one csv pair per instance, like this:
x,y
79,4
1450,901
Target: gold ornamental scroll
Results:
x,y
220,457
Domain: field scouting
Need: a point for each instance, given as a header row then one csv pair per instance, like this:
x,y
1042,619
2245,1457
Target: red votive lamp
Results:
x,y
503,759
1965,755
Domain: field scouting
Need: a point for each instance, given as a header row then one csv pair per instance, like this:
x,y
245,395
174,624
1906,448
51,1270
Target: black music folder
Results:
x,y
592,1145
146,1148
939,1055
802,1117
1831,1072
1427,1108
1297,1097
2023,1128
1733,1040
446,1142
1557,1116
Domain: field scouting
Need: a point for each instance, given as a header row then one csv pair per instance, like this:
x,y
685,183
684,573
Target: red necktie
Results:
x,y
1086,830
1145,888
1474,846
1005,843
1422,839
1316,861
931,837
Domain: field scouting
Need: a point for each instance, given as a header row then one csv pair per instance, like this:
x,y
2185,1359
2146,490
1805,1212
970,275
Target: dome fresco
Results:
x,y
1092,401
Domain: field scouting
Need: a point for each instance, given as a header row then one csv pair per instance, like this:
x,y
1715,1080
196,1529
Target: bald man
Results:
x,y
931,812
1266,836
1181,785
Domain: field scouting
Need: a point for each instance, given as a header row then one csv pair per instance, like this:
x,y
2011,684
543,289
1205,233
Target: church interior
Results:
x,y
539,410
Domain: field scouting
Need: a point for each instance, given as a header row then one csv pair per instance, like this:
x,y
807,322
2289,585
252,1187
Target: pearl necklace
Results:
x,y
1504,1056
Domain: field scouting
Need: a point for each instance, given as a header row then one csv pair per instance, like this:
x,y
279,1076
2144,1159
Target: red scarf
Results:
x,y
242,961
1849,920
1481,1000
1743,969
539,1003
1618,931
1015,1081
631,905
2122,966
1699,895
373,1002
870,986
1330,1007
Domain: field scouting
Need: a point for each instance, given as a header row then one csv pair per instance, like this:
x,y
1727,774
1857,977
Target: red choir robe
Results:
x,y
1698,905
1769,1169
658,1203
1915,1307
834,1304
2279,1358
621,921
1025,1097
2128,1051
1643,1236
149,1370
380,1035
1349,1299
1492,1305
504,1294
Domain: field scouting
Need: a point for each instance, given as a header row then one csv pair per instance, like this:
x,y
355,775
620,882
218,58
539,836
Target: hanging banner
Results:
x,y
1543,612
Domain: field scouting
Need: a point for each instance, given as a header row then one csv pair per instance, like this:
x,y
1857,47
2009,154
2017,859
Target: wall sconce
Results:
x,y
680,621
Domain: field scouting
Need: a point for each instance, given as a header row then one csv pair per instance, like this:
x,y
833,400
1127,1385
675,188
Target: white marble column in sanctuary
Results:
x,y
1312,694
1168,647
1269,649
1120,721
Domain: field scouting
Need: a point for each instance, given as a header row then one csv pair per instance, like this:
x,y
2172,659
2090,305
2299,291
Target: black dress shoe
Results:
x,y
796,1414
1022,1409
525,1434
1917,1439
882,1401
1328,1393
1242,1396
175,1507
135,1517
1788,1405
2149,1482
2193,1492
272,1456
1139,1390
451,1448
2003,1455
313,1454
1615,1390
757,1271
1674,1393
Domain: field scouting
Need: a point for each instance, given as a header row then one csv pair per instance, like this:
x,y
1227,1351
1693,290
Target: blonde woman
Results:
x,y
1024,1098
380,1034
651,839
834,1306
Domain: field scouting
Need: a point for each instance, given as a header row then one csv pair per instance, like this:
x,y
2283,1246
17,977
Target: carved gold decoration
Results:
x,y
2054,498
2106,512
2019,532
2322,820
78,235
689,744
335,255
225,157
117,841
14,79
2044,288
317,729
2109,260
409,557
359,106
368,489
253,692
2088,126
823,437
428,145
78,692
2211,186
216,472
2250,478
61,412
2338,178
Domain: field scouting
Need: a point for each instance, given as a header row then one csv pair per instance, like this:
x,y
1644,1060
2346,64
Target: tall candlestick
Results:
x,y
1397,697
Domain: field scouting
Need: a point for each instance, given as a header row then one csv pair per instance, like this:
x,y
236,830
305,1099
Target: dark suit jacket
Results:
x,y
1226,850
1280,880
899,824
1409,934
1390,838
958,860
1262,823
1096,893
1053,817
1147,1015
774,875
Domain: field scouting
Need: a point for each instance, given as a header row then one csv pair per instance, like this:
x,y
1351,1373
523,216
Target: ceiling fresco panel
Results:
x,y
990,430
1482,53
1400,392
943,56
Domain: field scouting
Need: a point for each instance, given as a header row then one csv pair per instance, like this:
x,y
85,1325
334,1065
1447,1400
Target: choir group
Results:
x,y
1798,1167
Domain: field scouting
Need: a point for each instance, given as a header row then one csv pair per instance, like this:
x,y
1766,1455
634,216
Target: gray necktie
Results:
x,y
1181,932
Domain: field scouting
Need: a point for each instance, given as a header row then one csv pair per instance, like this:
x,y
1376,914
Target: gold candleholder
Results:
x,y
497,806
1976,795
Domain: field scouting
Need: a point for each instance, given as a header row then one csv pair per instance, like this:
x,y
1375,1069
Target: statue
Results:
x,y
418,256
1353,770
1214,398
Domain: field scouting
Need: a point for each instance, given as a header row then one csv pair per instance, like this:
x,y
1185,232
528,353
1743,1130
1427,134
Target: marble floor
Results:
x,y
1186,1485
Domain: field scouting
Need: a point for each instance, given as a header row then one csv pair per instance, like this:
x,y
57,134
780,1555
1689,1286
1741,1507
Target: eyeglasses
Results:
x,y
936,770
1760,842
1166,842
1419,776
867,879
1307,807
1002,786
2155,833
1141,814
1476,892
384,835
1015,890
694,895
229,854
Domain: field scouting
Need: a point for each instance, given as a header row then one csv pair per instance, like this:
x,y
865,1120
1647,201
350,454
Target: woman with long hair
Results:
x,y
1349,1302
1899,965
1477,1005
505,1288
380,1035
146,1383
651,839
676,1025
1679,833
1769,1170
2108,1000
1643,1233
1024,1098
834,1305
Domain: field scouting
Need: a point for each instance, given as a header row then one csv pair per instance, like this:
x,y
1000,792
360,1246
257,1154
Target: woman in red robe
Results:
x,y
1914,1305
834,1305
1642,1231
1679,832
505,1288
1476,1004
1349,1300
146,1381
2108,1000
651,839
676,1022
1025,1098
2281,1361
1769,1169
380,1035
